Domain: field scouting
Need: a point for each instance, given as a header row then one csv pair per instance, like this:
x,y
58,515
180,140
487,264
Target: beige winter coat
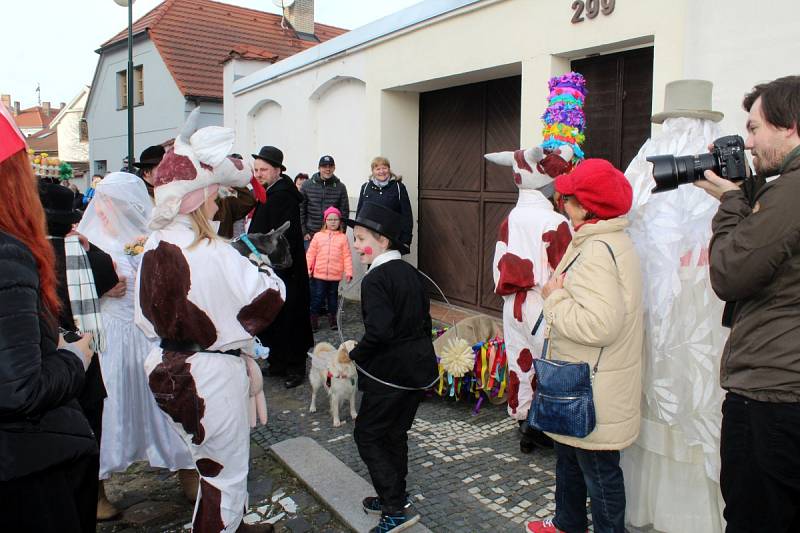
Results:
x,y
601,306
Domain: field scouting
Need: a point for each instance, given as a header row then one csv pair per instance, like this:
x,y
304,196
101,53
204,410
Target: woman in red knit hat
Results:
x,y
594,314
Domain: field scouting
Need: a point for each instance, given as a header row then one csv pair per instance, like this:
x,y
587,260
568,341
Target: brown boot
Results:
x,y
105,511
314,322
255,528
190,482
332,322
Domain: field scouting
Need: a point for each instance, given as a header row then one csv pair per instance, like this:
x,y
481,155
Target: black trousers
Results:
x,y
760,475
61,499
381,434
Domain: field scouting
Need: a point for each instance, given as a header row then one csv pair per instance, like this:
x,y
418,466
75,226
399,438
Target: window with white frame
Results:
x,y
138,87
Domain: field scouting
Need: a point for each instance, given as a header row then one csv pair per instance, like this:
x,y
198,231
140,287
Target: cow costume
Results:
x,y
534,237
205,302
531,243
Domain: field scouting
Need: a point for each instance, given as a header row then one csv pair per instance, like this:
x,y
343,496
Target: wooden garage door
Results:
x,y
618,104
462,198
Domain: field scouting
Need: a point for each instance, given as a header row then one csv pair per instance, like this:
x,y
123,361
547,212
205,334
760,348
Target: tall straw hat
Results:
x,y
688,98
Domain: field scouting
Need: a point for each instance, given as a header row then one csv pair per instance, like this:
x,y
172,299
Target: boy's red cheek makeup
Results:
x,y
368,250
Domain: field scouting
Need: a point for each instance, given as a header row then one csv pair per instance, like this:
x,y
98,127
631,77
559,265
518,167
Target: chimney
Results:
x,y
62,105
6,99
16,107
301,16
46,108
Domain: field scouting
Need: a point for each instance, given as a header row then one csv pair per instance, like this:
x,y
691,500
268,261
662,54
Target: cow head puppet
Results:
x,y
534,168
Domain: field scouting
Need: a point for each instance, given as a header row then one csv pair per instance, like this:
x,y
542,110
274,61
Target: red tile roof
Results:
x,y
244,51
44,141
194,37
35,117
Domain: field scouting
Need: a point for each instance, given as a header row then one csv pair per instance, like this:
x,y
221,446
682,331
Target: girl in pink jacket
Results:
x,y
328,258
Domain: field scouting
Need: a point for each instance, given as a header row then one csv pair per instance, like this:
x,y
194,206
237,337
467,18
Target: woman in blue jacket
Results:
x,y
385,188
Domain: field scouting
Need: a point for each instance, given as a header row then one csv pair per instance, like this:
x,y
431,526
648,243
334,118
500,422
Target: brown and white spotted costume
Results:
x,y
205,302
531,243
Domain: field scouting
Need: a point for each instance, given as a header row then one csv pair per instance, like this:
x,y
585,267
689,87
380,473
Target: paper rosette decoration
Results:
x,y
457,357
563,119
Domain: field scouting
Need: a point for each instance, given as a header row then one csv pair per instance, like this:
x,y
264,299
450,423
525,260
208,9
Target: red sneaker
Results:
x,y
542,526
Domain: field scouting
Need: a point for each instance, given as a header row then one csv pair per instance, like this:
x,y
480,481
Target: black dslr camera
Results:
x,y
727,160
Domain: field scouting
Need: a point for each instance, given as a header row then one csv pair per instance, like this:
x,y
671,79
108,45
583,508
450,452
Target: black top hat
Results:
x,y
326,160
57,201
381,220
271,155
151,156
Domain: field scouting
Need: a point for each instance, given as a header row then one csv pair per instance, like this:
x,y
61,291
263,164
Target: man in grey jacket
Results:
x,y
755,268
320,192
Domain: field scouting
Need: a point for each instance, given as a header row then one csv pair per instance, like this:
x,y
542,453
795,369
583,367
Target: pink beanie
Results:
x,y
331,210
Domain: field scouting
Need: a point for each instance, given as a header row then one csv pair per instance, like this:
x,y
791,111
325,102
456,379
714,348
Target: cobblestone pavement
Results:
x,y
466,472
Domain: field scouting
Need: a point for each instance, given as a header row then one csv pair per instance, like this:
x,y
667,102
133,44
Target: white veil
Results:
x,y
681,410
118,213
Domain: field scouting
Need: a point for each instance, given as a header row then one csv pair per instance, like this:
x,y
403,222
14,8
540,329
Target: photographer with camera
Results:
x,y
755,269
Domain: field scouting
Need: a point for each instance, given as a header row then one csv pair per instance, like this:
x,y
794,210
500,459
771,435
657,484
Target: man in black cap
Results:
x,y
395,359
147,163
289,337
320,192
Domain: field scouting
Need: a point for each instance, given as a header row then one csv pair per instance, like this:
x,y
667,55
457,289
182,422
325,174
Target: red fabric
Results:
x,y
516,274
503,233
11,139
553,165
519,299
525,360
513,391
259,191
599,187
557,242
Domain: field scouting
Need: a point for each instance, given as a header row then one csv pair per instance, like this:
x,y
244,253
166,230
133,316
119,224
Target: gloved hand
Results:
x,y
258,401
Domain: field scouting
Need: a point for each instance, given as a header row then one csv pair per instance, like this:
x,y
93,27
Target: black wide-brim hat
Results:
x,y
57,201
271,155
151,156
381,220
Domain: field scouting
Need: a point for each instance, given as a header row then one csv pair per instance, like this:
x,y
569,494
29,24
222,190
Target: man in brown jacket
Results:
x,y
755,267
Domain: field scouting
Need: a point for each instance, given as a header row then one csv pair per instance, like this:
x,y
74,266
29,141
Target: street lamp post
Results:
x,y
129,5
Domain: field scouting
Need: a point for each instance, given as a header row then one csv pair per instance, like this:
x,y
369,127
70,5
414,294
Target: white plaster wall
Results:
x,y
157,120
70,147
729,42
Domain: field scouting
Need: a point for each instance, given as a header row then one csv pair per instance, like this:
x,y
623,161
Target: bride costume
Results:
x,y
672,471
134,428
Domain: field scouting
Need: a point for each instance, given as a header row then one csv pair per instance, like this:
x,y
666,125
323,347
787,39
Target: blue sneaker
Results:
x,y
394,523
372,504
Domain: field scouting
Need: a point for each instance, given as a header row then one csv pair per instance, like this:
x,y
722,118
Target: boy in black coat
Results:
x,y
395,358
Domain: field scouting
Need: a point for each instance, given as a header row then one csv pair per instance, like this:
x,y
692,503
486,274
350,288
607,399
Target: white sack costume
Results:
x,y
672,471
205,302
117,216
531,243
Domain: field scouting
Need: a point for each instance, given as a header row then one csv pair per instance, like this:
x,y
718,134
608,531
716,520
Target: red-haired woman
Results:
x,y
48,455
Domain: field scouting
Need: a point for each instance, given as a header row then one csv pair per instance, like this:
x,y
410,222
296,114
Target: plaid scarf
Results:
x,y
82,292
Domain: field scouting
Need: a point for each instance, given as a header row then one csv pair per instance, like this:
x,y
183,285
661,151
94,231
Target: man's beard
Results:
x,y
768,162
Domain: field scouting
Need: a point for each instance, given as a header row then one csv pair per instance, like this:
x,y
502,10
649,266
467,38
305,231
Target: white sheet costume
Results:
x,y
672,471
116,217
532,241
205,302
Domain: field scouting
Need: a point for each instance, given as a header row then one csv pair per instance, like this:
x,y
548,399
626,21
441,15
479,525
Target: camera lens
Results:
x,y
670,171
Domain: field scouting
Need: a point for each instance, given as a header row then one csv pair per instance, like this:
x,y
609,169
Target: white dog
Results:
x,y
333,369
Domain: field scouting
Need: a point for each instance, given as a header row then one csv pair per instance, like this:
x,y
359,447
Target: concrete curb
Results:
x,y
331,481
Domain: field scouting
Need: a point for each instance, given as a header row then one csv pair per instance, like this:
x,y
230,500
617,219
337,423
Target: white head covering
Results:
x,y
193,168
118,213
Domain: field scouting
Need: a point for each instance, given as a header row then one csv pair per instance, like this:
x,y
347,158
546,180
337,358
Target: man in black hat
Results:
x,y
61,215
289,337
147,163
395,358
320,192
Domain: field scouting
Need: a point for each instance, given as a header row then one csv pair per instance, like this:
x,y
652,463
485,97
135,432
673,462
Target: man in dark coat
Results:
x,y
322,191
289,337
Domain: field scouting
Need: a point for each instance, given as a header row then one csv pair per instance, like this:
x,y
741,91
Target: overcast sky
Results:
x,y
52,42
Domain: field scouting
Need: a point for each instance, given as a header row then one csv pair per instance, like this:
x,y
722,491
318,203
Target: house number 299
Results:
x,y
591,8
